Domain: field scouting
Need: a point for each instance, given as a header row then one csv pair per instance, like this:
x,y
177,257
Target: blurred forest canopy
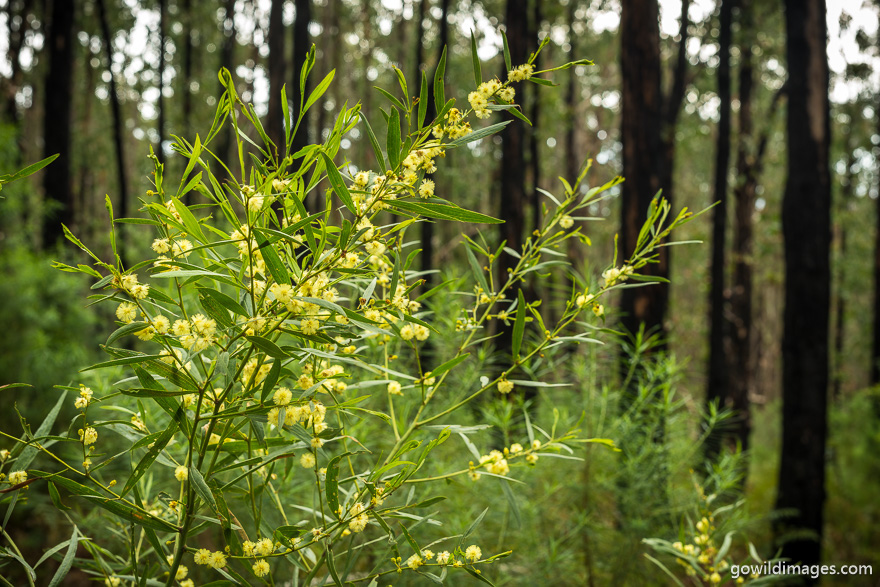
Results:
x,y
694,103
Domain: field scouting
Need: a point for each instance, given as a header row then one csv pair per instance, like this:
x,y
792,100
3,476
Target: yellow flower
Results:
x,y
473,553
217,560
566,222
414,562
443,557
126,312
260,568
17,477
309,326
88,436
307,460
161,245
505,386
426,189
181,473
202,556
282,396
394,388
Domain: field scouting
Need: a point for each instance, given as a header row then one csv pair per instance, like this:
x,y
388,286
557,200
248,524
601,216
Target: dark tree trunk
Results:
x,y
572,161
875,351
427,228
640,136
514,201
163,14
227,61
277,74
301,46
57,121
846,194
806,212
118,143
534,152
717,379
187,64
16,25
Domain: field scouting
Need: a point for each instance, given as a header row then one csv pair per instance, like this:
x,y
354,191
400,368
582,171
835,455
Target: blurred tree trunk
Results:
x,y
534,115
227,61
301,46
572,161
277,73
514,201
875,350
806,212
16,26
716,391
427,227
57,121
163,15
186,125
846,194
118,142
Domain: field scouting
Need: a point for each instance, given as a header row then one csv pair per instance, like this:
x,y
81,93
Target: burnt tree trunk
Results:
x,y
57,121
716,391
806,212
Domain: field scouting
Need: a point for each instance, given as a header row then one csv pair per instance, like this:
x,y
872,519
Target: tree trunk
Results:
x,y
806,212
16,23
875,350
641,108
227,61
573,161
716,391
119,144
277,74
57,121
534,114
163,14
301,46
427,227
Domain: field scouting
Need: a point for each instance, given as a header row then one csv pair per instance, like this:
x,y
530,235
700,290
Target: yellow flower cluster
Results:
x,y
487,92
84,399
215,560
454,126
197,333
521,72
617,274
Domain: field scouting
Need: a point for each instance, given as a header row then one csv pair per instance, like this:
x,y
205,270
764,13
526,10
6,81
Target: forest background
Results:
x,y
705,100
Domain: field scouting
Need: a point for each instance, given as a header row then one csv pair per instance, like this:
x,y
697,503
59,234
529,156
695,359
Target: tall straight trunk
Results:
x,y
806,210
187,63
717,377
301,46
57,121
277,74
227,61
875,349
118,142
366,90
534,113
641,108
427,228
846,194
163,15
16,25
648,123
572,161
514,201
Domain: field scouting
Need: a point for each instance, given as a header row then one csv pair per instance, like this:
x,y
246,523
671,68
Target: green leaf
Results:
x,y
477,270
518,325
268,347
396,102
271,380
224,300
392,140
448,365
411,541
478,75
198,483
67,561
29,170
192,225
377,150
320,89
471,528
444,212
338,184
439,91
478,134
125,330
30,452
139,358
215,310
118,507
423,100
507,62
56,497
273,261
511,500
479,576
331,486
157,447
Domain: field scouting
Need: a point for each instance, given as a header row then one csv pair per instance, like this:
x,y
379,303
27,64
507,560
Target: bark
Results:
x,y
806,231
275,117
301,46
875,350
16,23
716,391
572,161
163,15
846,195
534,114
116,109
227,61
427,228
187,63
57,121
641,110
